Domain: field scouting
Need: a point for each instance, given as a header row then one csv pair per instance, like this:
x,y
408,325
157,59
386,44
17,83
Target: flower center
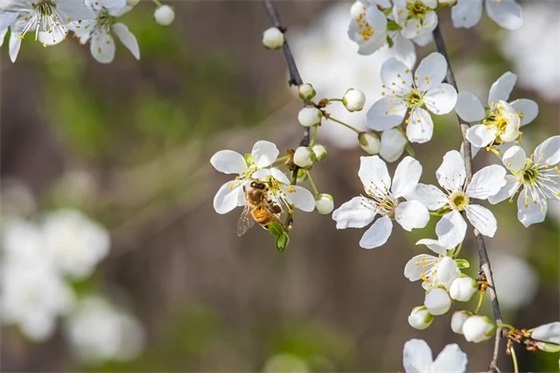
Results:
x,y
366,31
417,9
505,122
458,201
415,99
380,200
104,19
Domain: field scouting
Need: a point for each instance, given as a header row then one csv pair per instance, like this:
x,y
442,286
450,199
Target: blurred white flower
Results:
x,y
534,49
506,13
75,243
515,291
285,363
98,331
417,357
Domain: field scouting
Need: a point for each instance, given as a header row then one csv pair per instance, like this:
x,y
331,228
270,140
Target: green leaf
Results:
x,y
462,263
275,228
282,242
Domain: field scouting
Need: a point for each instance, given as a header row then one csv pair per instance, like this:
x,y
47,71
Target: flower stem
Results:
x,y
482,252
344,124
312,182
514,360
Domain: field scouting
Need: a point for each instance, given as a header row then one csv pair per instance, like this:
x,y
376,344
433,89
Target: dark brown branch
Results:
x,y
482,252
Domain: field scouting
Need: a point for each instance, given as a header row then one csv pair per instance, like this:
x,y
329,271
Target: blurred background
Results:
x,y
115,159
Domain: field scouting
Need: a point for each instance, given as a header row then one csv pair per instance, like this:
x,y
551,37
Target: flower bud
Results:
x,y
420,318
304,157
369,143
164,15
478,328
309,116
320,152
354,100
437,301
458,319
306,91
324,203
132,2
273,38
463,288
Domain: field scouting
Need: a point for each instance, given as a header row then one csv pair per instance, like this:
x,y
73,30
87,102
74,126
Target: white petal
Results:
x,y
430,72
466,13
127,38
54,36
433,245
3,35
487,182
228,197
393,143
412,215
377,234
228,162
386,113
480,135
482,219
507,191
406,177
548,152
423,40
469,107
451,174
275,173
373,173
529,212
396,76
506,13
420,127
441,99
264,153
447,271
416,266
514,158
14,45
528,109
419,27
417,356
451,229
353,214
6,20
71,10
403,50
450,359
501,89
301,198
430,196
102,47
547,333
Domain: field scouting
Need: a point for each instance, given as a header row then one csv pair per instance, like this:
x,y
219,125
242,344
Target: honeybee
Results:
x,y
258,208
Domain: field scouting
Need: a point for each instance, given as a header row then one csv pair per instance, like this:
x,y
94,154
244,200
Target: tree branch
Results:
x,y
482,252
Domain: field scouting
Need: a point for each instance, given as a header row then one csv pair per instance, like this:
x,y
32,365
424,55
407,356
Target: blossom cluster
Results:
x,y
93,21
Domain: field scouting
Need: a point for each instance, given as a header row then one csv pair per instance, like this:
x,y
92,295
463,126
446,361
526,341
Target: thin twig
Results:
x,y
482,252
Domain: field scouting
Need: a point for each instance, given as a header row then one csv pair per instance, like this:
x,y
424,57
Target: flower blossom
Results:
x,y
368,27
98,31
416,17
451,175
434,271
501,122
256,166
537,177
506,13
417,357
407,93
383,198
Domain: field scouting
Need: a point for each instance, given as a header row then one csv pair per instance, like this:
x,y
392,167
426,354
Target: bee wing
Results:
x,y
245,221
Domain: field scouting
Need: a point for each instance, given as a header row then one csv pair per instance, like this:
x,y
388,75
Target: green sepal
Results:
x,y
275,228
462,263
548,347
282,242
392,26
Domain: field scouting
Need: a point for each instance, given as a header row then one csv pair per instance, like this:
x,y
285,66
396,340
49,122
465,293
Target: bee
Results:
x,y
258,208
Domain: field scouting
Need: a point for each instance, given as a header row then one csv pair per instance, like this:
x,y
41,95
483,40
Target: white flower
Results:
x,y
393,143
304,156
369,142
368,28
273,38
463,288
437,301
478,328
537,176
433,271
164,15
451,175
98,331
420,318
309,116
48,19
407,93
506,13
416,17
383,198
417,358
324,203
501,122
354,100
256,165
75,243
99,32
458,320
